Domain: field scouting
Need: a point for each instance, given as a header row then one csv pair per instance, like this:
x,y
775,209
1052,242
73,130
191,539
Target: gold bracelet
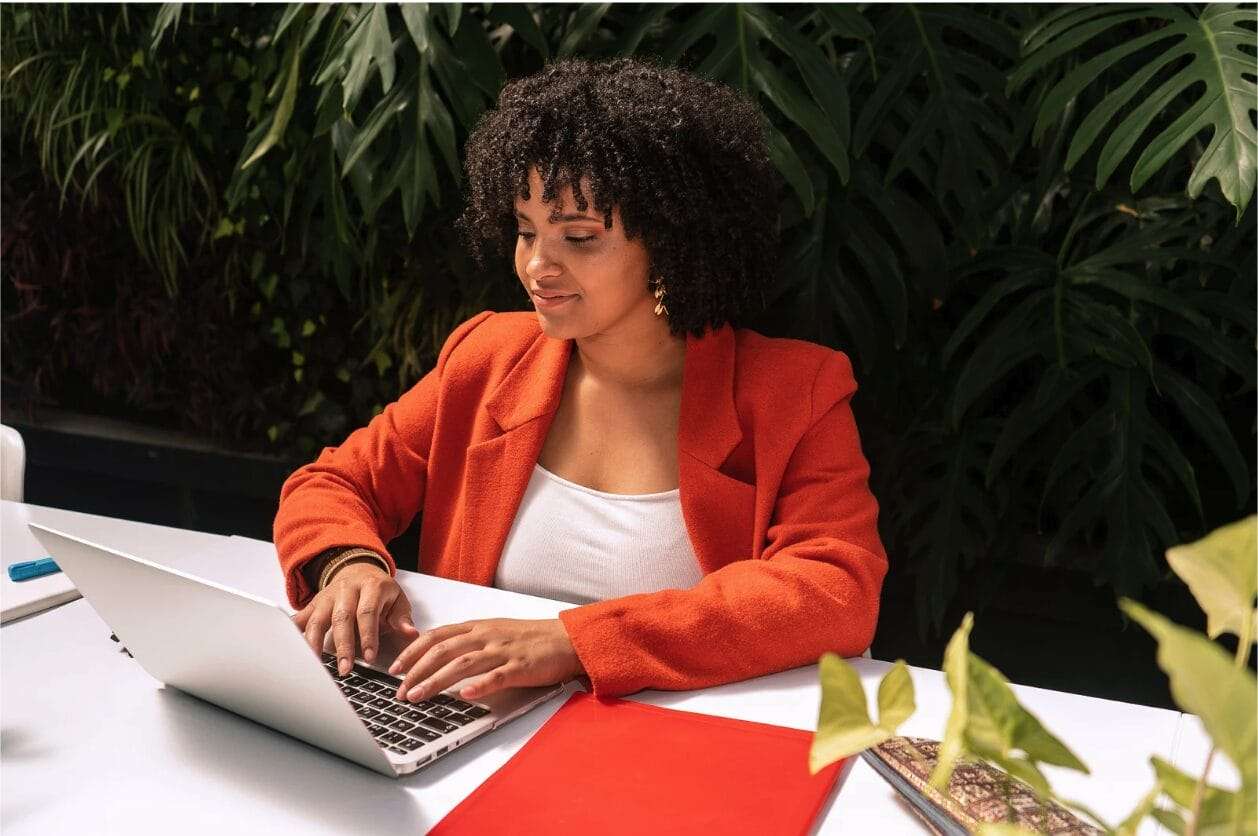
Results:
x,y
336,563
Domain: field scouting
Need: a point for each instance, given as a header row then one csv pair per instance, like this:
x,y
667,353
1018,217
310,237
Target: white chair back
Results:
x,y
12,464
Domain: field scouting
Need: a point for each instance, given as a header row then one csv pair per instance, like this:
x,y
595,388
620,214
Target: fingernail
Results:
x,y
417,693
369,654
343,666
394,668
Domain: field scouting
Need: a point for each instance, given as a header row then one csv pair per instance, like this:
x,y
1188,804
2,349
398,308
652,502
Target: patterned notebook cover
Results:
x,y
977,793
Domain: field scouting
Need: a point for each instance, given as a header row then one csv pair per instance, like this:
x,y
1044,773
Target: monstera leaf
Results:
x,y
1200,71
1094,432
758,51
951,516
955,136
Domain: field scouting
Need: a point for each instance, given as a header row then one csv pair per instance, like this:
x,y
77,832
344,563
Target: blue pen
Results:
x,y
28,569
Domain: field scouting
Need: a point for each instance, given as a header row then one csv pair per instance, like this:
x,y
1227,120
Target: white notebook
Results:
x,y
20,598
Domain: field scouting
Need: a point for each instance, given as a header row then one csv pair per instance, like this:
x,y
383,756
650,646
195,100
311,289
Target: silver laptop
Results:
x,y
244,653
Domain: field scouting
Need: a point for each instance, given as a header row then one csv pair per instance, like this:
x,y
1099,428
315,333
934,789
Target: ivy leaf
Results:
x,y
956,657
843,727
1205,682
988,722
1220,571
1217,804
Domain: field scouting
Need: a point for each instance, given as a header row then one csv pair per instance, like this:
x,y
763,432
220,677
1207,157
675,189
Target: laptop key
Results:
x,y
439,725
376,730
442,699
380,702
414,715
368,713
439,711
373,687
420,731
398,750
476,712
356,680
393,737
459,705
401,725
411,744
461,719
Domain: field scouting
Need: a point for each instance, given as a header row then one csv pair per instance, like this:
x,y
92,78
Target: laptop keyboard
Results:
x,y
397,725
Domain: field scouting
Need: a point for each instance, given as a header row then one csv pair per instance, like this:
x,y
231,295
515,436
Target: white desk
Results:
x,y
23,598
91,744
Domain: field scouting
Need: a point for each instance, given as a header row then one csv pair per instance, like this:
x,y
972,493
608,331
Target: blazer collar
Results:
x,y
708,430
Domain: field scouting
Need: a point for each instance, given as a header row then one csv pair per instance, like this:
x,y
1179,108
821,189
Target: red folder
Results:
x,y
613,766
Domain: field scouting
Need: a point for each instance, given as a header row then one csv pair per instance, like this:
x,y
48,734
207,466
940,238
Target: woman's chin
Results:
x,y
558,326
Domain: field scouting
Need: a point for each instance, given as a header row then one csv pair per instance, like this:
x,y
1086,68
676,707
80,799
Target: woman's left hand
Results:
x,y
505,652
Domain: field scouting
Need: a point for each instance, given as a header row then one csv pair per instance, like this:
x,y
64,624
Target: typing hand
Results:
x,y
498,652
361,601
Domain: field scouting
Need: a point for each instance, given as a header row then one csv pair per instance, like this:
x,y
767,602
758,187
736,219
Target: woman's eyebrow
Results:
x,y
558,218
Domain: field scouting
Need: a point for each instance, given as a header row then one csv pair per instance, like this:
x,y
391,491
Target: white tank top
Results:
x,y
573,543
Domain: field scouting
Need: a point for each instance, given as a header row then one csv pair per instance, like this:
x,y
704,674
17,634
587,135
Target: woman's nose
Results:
x,y
539,263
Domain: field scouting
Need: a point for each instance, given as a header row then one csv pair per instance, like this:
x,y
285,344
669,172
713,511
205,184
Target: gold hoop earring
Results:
x,y
660,310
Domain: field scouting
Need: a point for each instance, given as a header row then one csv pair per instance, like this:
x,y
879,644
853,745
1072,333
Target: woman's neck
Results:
x,y
643,357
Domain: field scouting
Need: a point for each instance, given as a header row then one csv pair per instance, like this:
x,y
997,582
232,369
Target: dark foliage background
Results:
x,y
1030,226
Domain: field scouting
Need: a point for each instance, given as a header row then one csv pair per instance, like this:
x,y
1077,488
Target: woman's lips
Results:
x,y
552,301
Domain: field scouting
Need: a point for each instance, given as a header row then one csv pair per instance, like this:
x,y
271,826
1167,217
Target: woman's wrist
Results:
x,y
575,666
349,557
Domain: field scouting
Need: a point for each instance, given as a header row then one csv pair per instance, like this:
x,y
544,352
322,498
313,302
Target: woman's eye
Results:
x,y
528,236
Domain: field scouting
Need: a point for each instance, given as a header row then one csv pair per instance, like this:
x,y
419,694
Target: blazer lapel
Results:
x,y
718,509
498,469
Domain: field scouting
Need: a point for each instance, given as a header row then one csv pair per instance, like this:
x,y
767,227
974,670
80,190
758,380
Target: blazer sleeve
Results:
x,y
366,491
814,589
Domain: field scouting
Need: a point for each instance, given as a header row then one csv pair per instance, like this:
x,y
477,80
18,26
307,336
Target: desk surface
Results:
x,y
92,744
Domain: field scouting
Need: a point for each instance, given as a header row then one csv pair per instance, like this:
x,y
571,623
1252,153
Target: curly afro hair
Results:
x,y
683,159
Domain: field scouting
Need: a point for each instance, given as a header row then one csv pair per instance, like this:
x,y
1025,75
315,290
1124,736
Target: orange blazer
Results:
x,y
773,484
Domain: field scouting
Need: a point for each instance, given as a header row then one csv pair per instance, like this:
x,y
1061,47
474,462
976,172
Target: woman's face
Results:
x,y
583,280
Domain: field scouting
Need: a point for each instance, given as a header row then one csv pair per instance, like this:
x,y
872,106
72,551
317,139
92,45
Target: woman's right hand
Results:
x,y
359,603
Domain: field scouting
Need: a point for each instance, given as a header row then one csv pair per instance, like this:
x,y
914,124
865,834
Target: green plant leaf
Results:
x,y
1218,806
1200,60
1146,805
1205,682
791,167
415,16
1221,572
988,722
843,726
800,109
827,86
520,18
1202,414
284,111
956,137
956,671
585,20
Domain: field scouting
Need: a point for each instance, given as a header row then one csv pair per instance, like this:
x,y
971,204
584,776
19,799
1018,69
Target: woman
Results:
x,y
699,491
